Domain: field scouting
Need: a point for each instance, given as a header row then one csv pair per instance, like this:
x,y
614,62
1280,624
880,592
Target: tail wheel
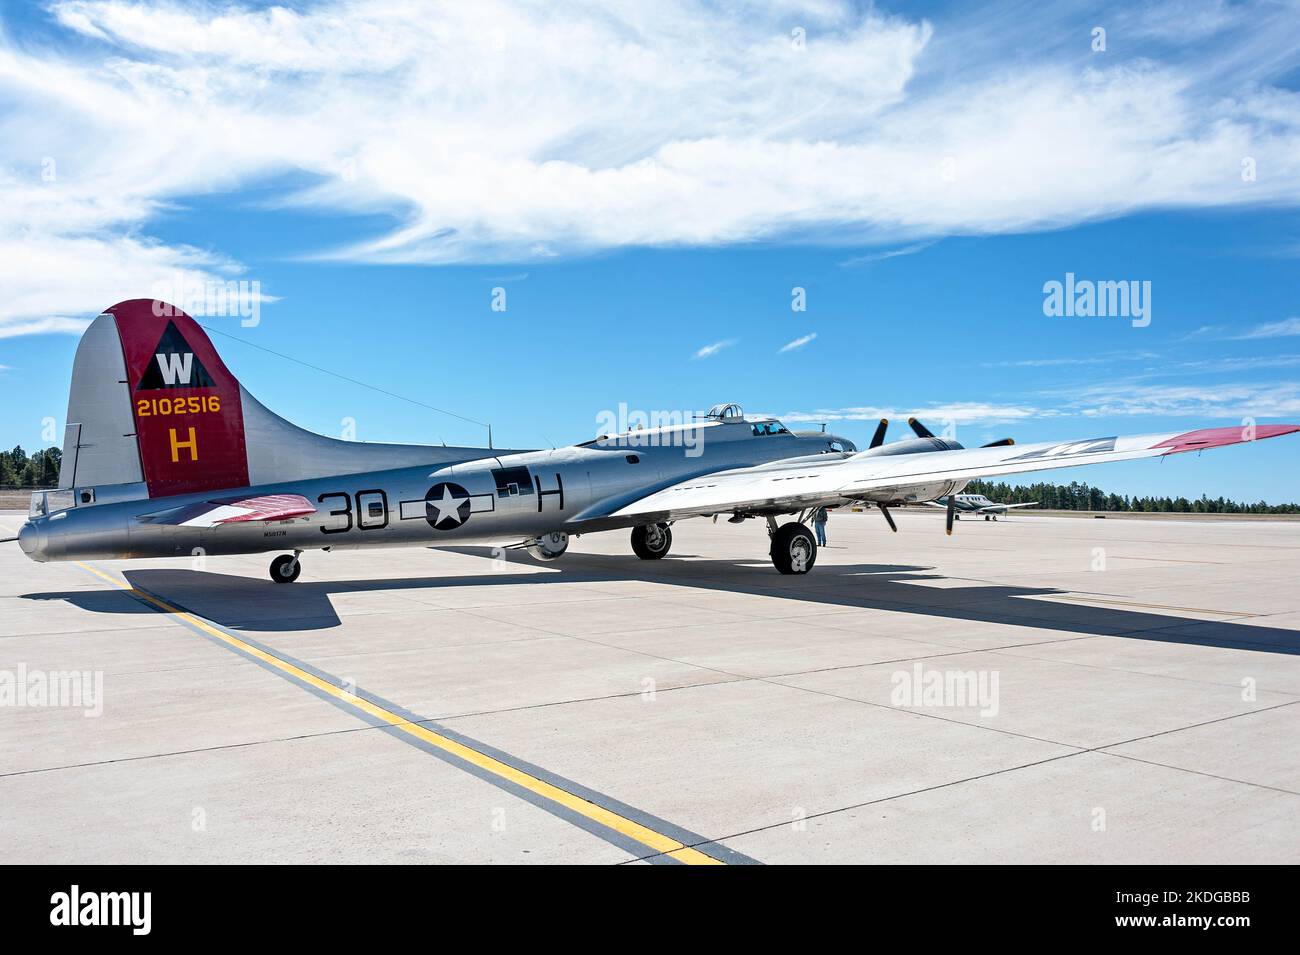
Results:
x,y
794,549
651,541
285,569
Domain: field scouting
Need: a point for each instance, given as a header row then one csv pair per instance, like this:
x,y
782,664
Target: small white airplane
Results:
x,y
165,454
976,504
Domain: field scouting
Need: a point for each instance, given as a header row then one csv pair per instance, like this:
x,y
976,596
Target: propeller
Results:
x,y
921,430
889,518
952,506
878,438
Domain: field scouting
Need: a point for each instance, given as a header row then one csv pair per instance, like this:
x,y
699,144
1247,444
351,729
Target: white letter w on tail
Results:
x,y
176,367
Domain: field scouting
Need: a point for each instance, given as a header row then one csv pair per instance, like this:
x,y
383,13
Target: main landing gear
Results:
x,y
286,568
549,546
651,541
794,549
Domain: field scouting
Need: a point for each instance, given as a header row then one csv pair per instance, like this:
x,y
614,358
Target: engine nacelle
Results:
x,y
912,446
912,493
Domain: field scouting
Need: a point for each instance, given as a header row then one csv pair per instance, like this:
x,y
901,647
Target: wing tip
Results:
x,y
1204,438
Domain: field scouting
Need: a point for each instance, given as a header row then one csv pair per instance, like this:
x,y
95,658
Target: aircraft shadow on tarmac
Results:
x,y
252,605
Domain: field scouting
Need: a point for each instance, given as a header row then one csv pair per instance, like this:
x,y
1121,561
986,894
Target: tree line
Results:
x,y
1085,497
39,469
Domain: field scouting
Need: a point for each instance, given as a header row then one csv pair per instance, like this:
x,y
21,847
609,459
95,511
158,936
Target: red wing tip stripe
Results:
x,y
1221,437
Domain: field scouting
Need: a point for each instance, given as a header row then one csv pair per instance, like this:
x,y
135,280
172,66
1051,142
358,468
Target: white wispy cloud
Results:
x,y
868,257
708,351
797,343
1225,365
1086,360
968,412
1234,400
1283,329
495,131
1124,397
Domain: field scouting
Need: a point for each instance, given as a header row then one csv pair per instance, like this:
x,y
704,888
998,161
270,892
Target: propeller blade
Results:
x,y
878,438
952,506
889,518
1005,442
921,430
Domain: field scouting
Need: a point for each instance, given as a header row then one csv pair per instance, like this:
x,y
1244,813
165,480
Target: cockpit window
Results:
x,y
769,427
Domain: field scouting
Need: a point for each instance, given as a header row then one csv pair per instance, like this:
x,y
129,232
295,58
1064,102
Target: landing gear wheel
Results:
x,y
794,549
651,541
549,546
987,518
286,568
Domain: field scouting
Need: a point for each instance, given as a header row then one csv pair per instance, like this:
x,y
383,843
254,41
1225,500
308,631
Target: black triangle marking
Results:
x,y
173,364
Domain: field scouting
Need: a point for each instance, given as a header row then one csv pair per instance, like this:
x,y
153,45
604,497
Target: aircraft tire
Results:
x,y
651,541
794,549
285,569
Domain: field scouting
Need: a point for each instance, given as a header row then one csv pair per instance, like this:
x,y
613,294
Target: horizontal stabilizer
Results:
x,y
234,510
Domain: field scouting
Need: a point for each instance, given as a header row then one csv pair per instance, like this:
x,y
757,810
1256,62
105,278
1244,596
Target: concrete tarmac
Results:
x,y
1031,690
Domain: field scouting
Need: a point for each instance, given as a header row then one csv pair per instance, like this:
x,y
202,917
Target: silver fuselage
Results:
x,y
513,497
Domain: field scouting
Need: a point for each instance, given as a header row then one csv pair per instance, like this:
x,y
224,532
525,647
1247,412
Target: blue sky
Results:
x,y
646,186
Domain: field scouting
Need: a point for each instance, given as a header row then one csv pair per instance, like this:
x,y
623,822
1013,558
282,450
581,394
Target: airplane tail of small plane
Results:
x,y
153,411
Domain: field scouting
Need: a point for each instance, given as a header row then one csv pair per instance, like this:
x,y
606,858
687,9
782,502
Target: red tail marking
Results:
x,y
188,414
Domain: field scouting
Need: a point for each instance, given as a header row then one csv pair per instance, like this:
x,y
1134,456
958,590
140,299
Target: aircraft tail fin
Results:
x,y
153,411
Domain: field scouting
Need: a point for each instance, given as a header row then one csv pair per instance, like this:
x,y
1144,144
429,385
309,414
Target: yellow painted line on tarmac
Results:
x,y
598,814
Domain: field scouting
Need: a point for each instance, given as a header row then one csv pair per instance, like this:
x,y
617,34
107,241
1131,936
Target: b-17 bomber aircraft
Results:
x,y
977,504
165,454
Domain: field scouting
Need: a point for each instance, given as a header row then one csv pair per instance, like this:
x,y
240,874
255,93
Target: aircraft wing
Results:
x,y
785,486
1007,507
234,510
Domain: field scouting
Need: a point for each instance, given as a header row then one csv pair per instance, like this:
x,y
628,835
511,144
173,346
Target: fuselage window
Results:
x,y
633,459
511,482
